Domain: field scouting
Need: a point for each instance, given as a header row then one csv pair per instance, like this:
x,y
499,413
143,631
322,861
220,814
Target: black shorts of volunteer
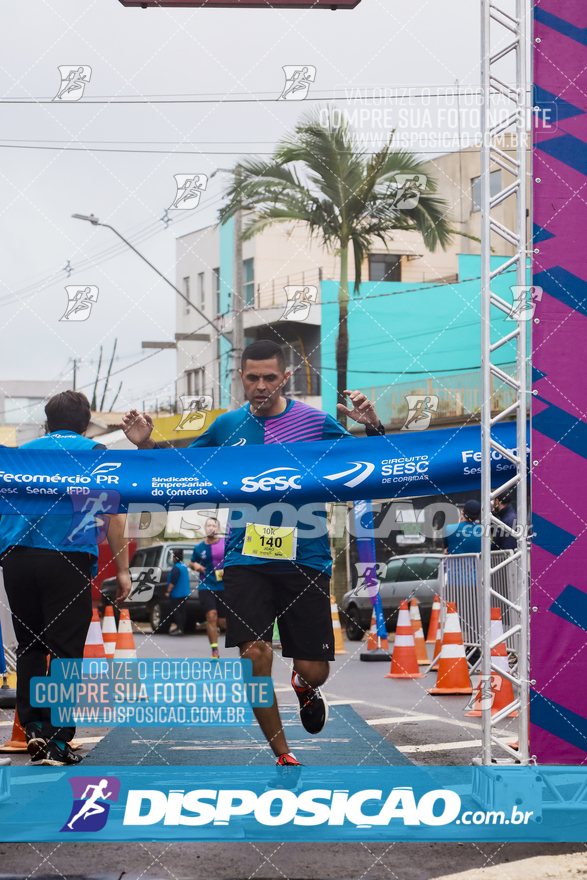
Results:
x,y
212,600
51,603
257,595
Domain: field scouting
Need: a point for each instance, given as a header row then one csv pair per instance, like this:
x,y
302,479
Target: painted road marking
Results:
x,y
234,748
402,719
414,714
41,777
239,744
286,707
344,702
441,747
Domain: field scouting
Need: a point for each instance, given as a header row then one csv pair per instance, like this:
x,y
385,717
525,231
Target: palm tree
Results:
x,y
346,197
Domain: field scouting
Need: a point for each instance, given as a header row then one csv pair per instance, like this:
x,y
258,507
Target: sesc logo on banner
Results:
x,y
91,797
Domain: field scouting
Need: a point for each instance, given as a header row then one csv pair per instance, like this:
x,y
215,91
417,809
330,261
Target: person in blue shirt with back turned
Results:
x,y
261,582
208,560
178,590
48,563
466,537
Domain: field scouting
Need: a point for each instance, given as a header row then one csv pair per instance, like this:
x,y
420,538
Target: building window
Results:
x,y
201,290
494,188
196,382
24,410
216,292
385,267
186,290
304,379
248,284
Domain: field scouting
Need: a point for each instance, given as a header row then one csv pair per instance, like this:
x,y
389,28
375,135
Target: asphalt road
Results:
x,y
428,730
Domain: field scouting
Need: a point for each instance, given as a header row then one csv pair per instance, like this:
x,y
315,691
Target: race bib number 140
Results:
x,y
270,542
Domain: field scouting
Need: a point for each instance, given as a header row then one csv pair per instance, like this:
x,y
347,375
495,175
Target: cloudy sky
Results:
x,y
171,91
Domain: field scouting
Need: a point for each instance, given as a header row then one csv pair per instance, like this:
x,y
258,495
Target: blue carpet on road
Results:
x,y
346,740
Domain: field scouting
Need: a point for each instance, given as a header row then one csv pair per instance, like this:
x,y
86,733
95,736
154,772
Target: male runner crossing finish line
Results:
x,y
258,590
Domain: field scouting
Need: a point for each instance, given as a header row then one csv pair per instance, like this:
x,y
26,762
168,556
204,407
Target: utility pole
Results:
x,y
75,374
237,397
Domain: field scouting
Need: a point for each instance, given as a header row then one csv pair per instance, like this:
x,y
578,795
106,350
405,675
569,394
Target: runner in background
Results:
x,y
208,560
293,589
178,591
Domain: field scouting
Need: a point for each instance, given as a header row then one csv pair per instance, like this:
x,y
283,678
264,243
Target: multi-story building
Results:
x,y
22,408
284,254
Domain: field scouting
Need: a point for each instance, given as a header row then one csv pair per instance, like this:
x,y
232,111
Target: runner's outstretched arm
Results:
x,y
119,546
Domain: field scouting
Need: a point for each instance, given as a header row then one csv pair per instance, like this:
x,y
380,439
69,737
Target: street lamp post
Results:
x,y
95,222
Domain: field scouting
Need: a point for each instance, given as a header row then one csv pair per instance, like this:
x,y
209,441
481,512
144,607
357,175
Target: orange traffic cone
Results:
x,y
502,691
94,646
404,663
434,625
17,742
419,641
453,671
377,647
109,631
125,643
338,642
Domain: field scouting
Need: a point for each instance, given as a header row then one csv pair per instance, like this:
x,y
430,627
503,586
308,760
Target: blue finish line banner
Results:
x,y
395,466
378,804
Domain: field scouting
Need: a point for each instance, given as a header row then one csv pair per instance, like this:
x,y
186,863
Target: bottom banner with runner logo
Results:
x,y
308,804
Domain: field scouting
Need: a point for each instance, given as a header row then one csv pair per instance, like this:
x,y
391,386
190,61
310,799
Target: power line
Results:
x,y
101,257
432,373
133,152
173,143
425,93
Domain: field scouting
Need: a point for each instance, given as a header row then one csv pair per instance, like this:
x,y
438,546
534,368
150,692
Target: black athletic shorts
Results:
x,y
255,596
212,600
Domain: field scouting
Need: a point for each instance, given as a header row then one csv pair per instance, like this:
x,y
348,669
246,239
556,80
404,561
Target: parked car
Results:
x,y
404,577
157,609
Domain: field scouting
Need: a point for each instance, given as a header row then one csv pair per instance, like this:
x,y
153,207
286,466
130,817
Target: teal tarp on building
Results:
x,y
399,332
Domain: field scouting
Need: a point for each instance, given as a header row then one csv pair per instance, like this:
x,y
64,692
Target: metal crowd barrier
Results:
x,y
460,582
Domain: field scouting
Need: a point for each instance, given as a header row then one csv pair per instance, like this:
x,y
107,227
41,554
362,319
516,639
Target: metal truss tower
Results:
x,y
497,54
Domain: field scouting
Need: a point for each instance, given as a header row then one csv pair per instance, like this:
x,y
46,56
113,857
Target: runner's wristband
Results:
x,y
370,431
